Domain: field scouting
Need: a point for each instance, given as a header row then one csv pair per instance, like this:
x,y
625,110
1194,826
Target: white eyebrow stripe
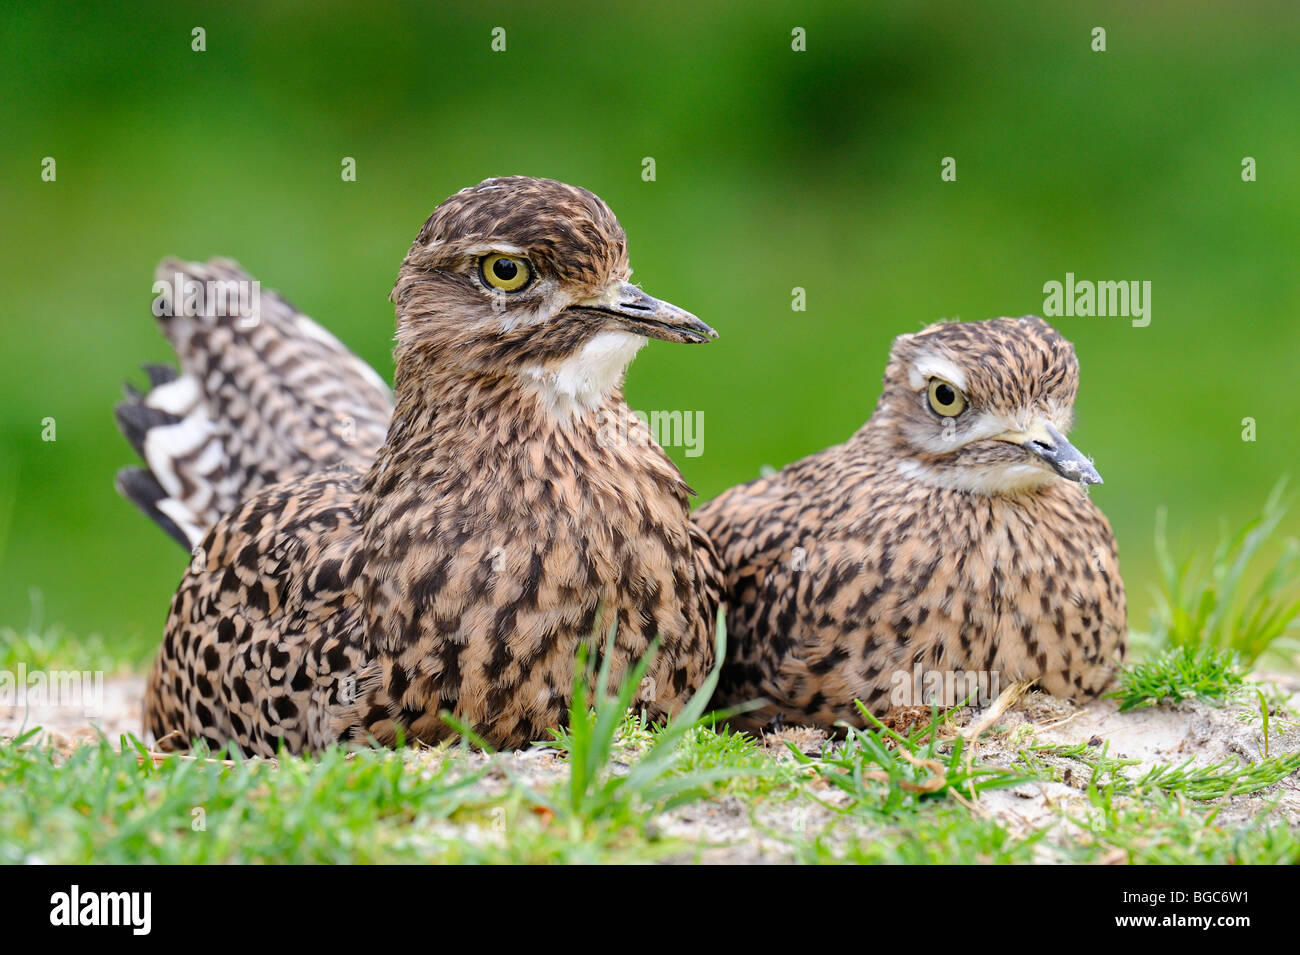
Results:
x,y
488,248
930,366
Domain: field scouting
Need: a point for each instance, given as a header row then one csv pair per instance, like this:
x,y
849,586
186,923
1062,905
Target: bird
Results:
x,y
951,535
377,568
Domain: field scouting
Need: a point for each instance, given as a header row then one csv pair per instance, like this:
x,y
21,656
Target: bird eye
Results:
x,y
945,399
509,273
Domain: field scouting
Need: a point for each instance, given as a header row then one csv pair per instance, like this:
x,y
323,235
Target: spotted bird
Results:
x,y
952,534
365,563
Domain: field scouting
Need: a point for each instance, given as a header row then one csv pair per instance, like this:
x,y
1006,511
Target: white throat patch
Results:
x,y
582,381
1009,480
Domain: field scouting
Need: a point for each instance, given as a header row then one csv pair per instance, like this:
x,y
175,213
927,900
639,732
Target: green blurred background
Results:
x,y
775,169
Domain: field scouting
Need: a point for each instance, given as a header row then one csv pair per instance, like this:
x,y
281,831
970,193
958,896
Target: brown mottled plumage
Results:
x,y
930,542
458,567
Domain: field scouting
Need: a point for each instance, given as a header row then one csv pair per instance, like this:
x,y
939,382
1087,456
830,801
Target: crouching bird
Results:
x,y
950,543
363,566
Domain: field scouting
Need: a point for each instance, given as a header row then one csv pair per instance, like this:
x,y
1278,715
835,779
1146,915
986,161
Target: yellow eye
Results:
x,y
509,273
945,399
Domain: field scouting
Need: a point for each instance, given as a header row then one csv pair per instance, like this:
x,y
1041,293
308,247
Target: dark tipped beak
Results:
x,y
646,315
1065,459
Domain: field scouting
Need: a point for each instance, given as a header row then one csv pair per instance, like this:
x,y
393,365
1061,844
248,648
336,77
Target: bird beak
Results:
x,y
646,315
1049,444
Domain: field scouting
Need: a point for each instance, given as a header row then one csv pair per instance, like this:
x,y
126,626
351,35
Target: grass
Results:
x,y
600,789
1166,830
1212,605
643,793
105,805
884,771
1226,777
944,836
114,806
907,799
1181,673
1102,767
1199,782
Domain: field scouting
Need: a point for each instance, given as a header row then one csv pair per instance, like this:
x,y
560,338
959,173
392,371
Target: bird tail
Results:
x,y
263,395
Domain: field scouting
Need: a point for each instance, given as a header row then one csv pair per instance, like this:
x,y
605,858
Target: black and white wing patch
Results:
x,y
264,394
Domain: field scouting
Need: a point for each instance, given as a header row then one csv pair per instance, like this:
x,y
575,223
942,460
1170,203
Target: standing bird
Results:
x,y
951,535
376,575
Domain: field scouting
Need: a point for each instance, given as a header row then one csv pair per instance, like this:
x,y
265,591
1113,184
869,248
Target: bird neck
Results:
x,y
447,407
475,456
454,424
878,434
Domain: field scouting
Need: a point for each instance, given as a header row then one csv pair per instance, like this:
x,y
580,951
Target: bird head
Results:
x,y
529,277
985,406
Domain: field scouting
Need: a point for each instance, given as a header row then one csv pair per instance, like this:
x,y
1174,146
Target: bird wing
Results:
x,y
264,394
264,634
745,533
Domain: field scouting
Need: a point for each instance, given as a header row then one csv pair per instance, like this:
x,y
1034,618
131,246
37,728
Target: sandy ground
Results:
x,y
742,834
116,711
